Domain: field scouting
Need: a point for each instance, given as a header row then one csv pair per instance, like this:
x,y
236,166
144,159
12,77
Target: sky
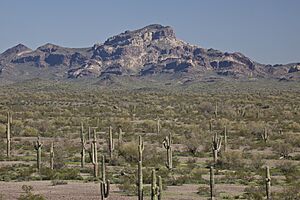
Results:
x,y
267,31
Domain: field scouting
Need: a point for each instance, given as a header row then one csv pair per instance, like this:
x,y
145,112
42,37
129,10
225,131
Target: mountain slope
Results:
x,y
150,51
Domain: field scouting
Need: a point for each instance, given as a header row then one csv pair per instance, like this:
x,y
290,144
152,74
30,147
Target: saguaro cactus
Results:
x,y
82,138
160,188
156,190
268,183
38,147
225,138
265,135
216,110
110,142
132,109
212,183
168,146
89,133
210,126
120,137
140,169
104,184
8,136
104,189
94,156
216,146
51,156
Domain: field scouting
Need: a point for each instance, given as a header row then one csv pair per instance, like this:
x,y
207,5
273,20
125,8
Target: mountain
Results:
x,y
152,51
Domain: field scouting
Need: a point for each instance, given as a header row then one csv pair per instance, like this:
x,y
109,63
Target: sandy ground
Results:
x,y
90,191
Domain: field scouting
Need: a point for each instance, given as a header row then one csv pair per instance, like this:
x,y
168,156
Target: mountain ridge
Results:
x,y
144,52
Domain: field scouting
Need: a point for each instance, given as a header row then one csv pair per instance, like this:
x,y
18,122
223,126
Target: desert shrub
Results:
x,y
231,160
18,172
289,193
60,174
203,191
129,151
254,193
193,141
29,195
178,180
196,176
291,171
240,176
191,163
128,184
153,158
58,182
60,156
206,107
30,131
283,149
256,162
293,140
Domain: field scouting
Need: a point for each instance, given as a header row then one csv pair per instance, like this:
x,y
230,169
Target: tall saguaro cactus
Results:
x,y
212,183
38,147
94,156
216,146
52,156
140,169
268,183
156,190
110,142
82,138
8,135
168,146
104,184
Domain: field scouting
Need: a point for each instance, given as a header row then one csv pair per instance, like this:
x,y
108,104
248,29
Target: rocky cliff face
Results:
x,y
148,51
155,49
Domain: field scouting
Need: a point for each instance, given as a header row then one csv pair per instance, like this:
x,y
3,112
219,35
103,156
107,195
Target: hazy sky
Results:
x,y
268,31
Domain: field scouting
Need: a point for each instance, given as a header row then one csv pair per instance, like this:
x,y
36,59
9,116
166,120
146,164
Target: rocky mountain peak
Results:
x,y
146,34
16,50
49,48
